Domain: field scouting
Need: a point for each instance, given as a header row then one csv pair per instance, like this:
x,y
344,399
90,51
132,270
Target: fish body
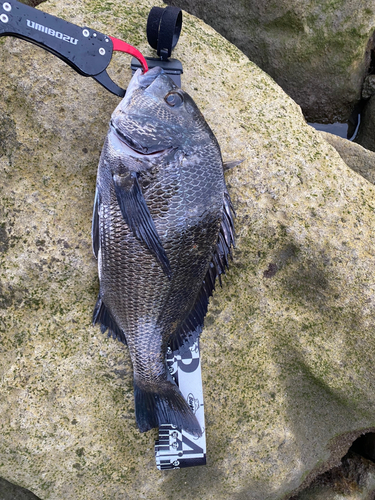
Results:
x,y
162,232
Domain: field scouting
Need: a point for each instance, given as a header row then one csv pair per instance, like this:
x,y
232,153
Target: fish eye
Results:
x,y
173,99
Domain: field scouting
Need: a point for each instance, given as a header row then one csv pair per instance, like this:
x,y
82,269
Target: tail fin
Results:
x,y
163,404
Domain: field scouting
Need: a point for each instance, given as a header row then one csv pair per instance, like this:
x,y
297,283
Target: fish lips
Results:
x,y
155,82
125,144
140,81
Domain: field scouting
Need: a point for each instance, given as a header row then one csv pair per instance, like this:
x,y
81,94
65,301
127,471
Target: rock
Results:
x,y
354,479
358,158
365,136
318,51
288,345
368,88
9,491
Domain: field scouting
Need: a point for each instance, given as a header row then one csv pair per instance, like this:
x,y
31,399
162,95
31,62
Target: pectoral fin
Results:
x,y
137,216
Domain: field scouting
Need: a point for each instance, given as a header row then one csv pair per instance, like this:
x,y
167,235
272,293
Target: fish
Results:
x,y
162,232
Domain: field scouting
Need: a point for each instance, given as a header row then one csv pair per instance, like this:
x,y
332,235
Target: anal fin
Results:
x,y
103,316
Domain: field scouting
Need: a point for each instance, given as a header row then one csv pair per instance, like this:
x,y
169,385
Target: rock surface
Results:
x,y
354,479
358,158
368,88
317,50
288,345
9,491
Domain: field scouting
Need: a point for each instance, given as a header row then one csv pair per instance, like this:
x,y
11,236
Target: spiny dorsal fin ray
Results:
x,y
137,216
228,165
95,225
192,327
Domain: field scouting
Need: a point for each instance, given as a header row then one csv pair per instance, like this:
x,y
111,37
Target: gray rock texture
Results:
x,y
368,88
288,345
9,491
317,50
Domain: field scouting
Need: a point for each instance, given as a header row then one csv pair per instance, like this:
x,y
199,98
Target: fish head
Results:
x,y
156,115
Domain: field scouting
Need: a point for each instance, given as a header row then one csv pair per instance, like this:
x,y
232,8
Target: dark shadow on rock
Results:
x,y
32,3
365,446
365,135
354,475
9,491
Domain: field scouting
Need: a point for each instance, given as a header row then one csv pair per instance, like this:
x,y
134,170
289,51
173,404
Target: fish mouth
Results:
x,y
140,81
129,146
146,79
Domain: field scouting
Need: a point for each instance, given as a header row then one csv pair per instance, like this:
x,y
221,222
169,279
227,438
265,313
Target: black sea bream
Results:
x,y
162,232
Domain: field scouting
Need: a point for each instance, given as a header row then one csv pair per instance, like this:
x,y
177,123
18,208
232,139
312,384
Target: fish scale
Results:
x,y
159,210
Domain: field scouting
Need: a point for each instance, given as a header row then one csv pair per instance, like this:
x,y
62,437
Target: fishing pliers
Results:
x,y
88,51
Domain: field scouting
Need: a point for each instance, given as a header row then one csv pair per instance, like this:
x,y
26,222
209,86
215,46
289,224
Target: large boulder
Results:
x,y
353,480
360,159
318,51
288,346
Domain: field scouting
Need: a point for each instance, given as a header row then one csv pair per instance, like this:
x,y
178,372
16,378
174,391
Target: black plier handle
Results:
x,y
87,51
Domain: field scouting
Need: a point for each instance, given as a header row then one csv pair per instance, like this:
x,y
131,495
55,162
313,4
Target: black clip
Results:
x,y
163,29
163,32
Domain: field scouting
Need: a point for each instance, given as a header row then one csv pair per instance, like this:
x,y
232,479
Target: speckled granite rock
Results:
x,y
317,50
358,158
288,347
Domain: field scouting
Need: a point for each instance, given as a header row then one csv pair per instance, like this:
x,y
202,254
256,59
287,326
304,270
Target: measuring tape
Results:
x,y
176,449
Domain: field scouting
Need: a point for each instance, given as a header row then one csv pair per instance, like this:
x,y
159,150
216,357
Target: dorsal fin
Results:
x,y
228,165
191,328
95,225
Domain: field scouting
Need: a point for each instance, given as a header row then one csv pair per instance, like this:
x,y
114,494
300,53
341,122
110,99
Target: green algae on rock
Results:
x,y
288,345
